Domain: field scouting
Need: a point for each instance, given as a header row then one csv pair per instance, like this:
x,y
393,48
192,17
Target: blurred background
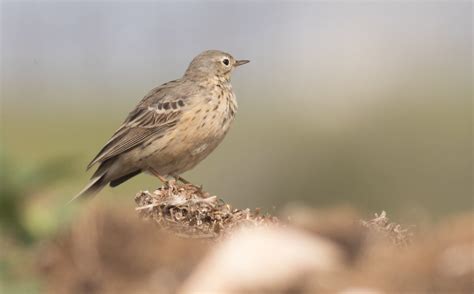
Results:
x,y
361,103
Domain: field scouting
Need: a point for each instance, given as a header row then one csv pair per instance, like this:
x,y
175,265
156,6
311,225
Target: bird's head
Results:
x,y
213,63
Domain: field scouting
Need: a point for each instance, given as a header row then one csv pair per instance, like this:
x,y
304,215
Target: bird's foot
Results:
x,y
171,183
167,183
188,184
182,180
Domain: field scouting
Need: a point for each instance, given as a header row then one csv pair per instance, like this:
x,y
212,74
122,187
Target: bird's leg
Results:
x,y
181,179
186,182
162,179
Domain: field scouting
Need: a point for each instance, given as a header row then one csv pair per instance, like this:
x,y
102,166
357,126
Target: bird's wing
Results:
x,y
156,114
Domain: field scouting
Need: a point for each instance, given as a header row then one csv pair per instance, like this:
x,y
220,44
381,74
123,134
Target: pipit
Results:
x,y
174,127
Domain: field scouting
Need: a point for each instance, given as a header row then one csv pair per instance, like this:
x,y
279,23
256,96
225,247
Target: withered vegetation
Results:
x,y
395,232
187,241
189,212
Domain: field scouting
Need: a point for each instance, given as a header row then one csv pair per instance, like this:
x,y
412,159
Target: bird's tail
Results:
x,y
95,185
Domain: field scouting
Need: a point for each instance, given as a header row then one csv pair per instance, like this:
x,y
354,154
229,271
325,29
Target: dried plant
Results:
x,y
381,225
189,212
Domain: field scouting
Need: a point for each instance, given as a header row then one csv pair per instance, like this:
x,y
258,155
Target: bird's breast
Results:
x,y
210,119
202,126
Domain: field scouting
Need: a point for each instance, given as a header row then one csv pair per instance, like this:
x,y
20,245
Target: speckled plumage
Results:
x,y
174,127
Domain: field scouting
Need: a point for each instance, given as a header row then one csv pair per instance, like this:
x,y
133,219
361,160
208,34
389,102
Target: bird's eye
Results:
x,y
225,61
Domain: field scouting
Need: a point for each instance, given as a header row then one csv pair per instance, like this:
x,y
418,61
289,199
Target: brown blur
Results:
x,y
107,250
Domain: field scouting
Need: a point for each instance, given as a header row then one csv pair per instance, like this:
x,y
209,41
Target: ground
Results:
x,y
185,239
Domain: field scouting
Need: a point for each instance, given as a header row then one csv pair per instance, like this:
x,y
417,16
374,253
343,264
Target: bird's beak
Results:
x,y
241,62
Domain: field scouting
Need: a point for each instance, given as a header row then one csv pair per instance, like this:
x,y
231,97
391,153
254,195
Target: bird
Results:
x,y
173,128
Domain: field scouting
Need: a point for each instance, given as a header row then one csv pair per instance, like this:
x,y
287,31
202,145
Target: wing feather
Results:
x,y
146,121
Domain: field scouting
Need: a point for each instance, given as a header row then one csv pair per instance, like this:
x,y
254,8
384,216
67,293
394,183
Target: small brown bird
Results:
x,y
174,127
